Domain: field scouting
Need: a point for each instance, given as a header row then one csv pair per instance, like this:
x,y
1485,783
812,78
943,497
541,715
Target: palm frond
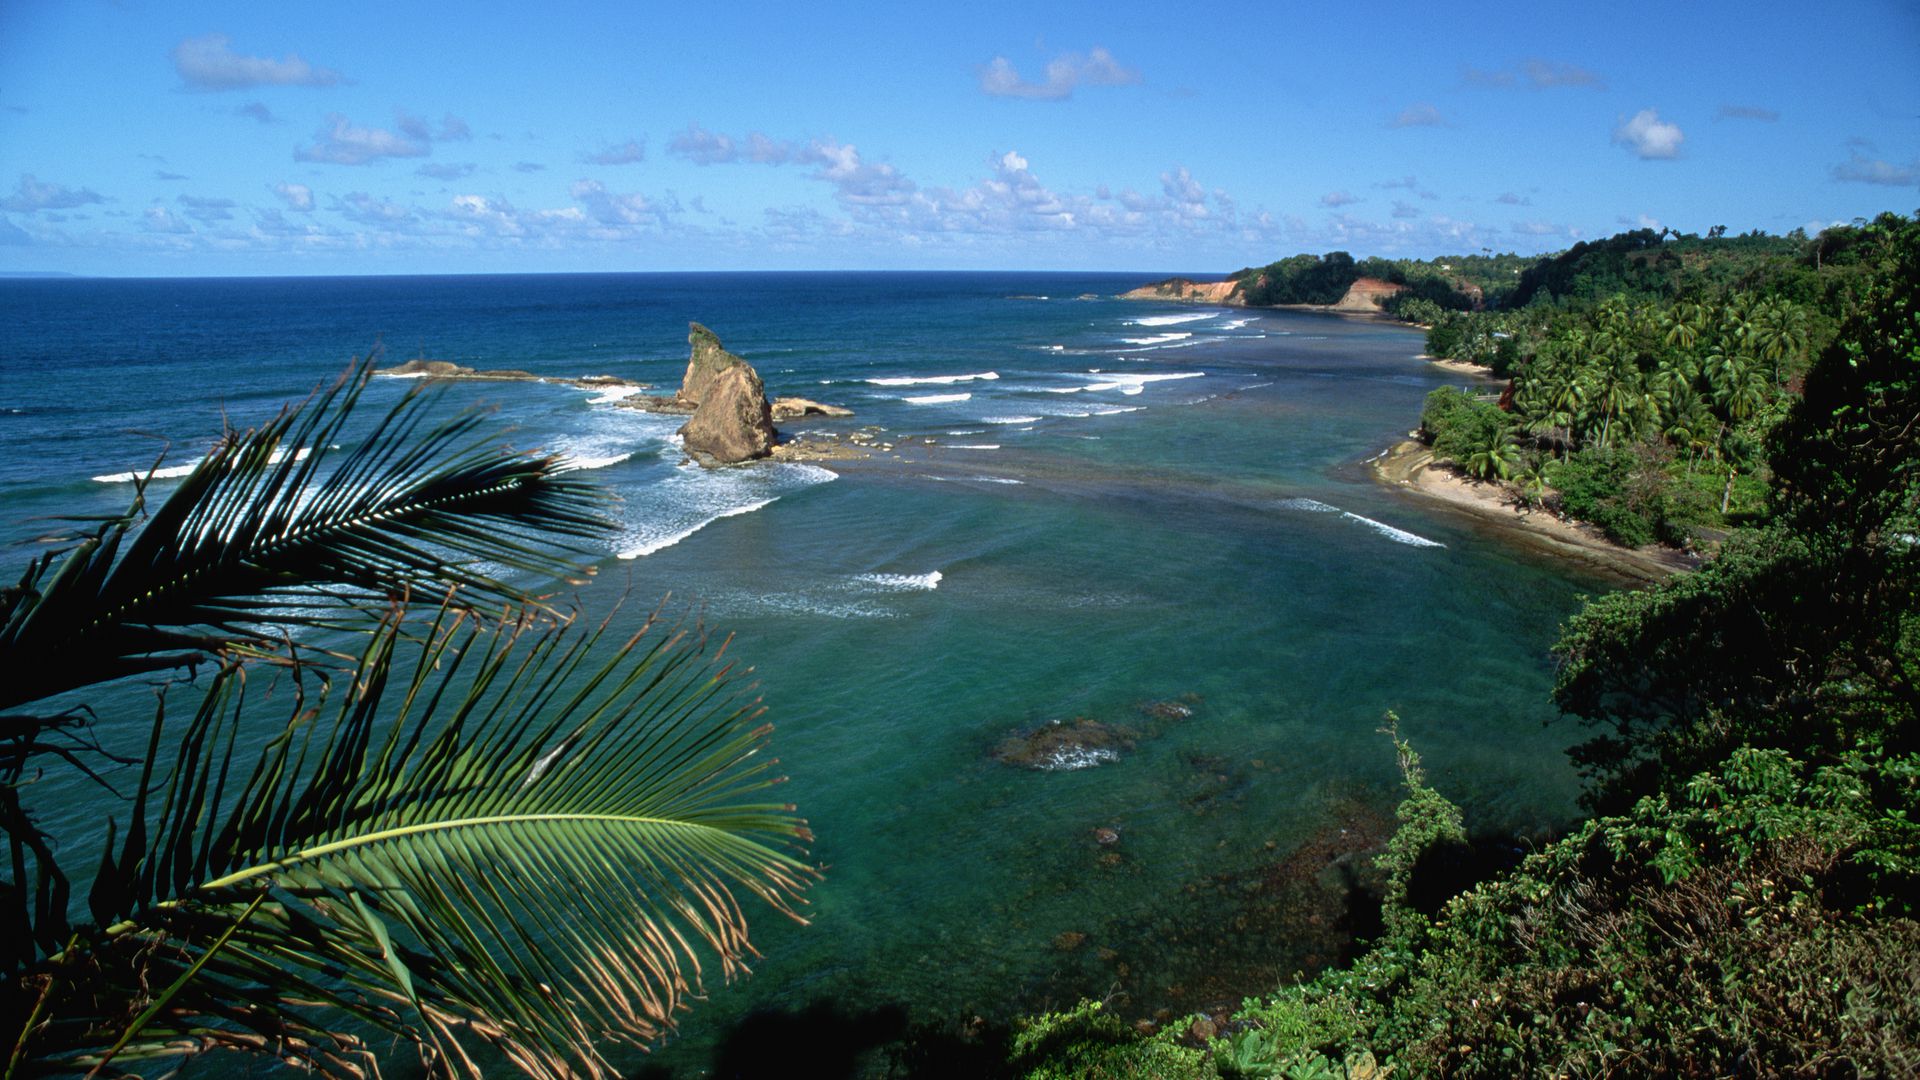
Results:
x,y
277,526
525,837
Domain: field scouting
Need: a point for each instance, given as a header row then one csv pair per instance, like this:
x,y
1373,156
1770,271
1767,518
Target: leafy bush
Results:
x,y
1623,489
1087,1042
1458,423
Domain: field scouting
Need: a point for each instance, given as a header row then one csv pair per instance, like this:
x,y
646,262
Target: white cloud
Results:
x,y
1861,169
613,208
452,129
1649,137
33,195
627,153
858,182
495,217
159,219
447,171
1511,199
256,111
1537,228
703,147
1405,210
1065,73
1420,114
207,63
365,209
13,235
296,196
342,142
1338,198
1181,187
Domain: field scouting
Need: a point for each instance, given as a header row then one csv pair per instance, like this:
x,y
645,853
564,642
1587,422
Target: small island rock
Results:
x,y
731,420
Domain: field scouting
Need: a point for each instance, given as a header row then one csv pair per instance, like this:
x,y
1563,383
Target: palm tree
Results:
x,y
1493,455
505,838
1778,334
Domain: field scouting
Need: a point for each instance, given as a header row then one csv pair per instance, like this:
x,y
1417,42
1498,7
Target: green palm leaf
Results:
x,y
523,838
276,526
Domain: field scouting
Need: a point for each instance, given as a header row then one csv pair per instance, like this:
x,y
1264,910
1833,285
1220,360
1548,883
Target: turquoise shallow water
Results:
x,y
1118,516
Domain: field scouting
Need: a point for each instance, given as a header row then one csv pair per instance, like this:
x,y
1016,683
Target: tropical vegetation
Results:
x,y
353,786
1744,901
1647,369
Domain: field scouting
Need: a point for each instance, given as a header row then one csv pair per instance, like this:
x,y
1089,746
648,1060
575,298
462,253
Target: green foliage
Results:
x,y
1427,820
1301,279
1250,1053
1461,425
1631,263
1804,634
1623,490
507,834
1760,923
1087,1042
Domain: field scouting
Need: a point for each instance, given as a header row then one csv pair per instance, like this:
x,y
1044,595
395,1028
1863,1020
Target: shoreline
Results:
x,y
1410,466
1460,367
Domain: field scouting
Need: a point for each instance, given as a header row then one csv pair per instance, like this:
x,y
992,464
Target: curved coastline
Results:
x,y
1410,466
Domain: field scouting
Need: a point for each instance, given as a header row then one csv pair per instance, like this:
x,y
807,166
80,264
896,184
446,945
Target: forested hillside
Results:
x,y
1744,901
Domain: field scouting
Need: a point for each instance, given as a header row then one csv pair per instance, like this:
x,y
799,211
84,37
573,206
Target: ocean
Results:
x,y
1151,516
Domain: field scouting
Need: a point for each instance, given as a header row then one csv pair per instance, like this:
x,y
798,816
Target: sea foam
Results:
x,y
1172,320
576,463
681,505
1399,536
936,399
1126,384
612,394
1157,339
174,472
935,380
901,582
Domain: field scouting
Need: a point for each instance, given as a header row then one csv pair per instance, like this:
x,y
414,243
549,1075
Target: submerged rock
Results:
x,y
1080,743
1172,709
731,420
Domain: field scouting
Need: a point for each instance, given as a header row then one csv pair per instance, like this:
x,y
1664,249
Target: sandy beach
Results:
x,y
1410,466
1460,367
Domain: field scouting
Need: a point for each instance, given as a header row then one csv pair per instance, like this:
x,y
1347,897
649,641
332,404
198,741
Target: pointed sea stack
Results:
x,y
731,421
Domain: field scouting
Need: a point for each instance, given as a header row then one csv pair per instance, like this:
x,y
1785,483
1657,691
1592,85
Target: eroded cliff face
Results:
x,y
731,420
1194,292
1364,296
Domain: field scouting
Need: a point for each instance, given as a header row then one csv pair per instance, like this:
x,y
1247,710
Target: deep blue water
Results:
x,y
1089,504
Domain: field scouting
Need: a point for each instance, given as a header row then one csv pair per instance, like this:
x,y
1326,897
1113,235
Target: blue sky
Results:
x,y
168,138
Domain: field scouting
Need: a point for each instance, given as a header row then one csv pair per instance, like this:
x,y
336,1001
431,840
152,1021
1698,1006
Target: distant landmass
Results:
x,y
36,274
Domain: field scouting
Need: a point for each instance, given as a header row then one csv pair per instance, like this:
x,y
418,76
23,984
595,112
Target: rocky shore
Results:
x,y
729,419
1410,465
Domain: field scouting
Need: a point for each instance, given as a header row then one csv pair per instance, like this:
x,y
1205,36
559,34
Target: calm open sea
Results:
x,y
1123,503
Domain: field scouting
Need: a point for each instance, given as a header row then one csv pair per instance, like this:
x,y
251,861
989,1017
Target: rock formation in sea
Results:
x,y
789,408
447,369
731,420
